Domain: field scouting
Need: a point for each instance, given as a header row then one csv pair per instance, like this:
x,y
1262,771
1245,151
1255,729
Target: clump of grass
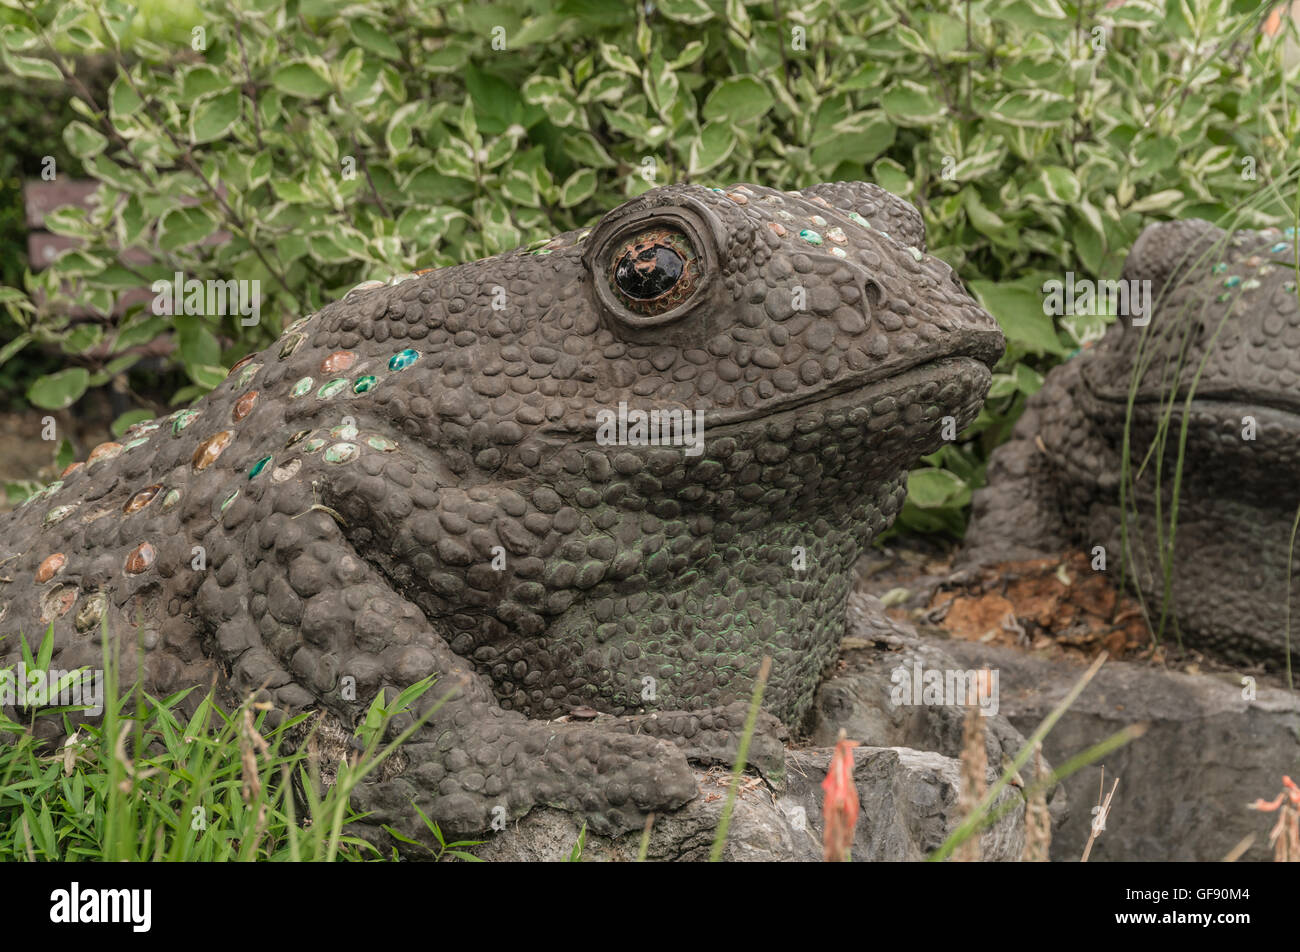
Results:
x,y
1100,812
742,755
974,782
985,814
149,783
1285,835
1038,818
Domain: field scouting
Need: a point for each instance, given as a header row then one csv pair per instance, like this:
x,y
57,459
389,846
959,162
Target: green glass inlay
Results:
x,y
342,453
183,419
331,388
403,359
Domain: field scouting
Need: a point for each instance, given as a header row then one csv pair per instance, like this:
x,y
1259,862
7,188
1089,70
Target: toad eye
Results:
x,y
654,271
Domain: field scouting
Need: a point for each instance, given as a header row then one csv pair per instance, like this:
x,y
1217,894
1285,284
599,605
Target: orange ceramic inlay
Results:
x,y
56,603
51,567
141,558
104,451
206,453
241,362
142,498
244,405
338,362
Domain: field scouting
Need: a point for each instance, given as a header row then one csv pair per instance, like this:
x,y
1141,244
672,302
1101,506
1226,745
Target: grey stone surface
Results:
x,y
908,807
1184,785
858,696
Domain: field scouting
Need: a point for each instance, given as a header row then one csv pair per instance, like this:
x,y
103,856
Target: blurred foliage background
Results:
x,y
329,142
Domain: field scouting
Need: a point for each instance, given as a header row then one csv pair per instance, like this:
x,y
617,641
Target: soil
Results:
x,y
24,455
1054,606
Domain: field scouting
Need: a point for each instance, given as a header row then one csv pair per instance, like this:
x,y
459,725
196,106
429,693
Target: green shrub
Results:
x,y
338,142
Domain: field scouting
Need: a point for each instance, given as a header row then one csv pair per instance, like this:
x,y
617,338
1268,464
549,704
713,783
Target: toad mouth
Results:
x,y
847,394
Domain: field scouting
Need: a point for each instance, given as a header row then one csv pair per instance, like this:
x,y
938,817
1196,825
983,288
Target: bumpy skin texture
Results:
x,y
370,554
1056,484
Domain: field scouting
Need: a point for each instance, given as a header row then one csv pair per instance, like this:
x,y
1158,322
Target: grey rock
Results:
x,y
1184,785
909,805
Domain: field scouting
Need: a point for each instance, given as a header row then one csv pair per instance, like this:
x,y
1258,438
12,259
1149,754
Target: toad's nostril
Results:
x,y
875,294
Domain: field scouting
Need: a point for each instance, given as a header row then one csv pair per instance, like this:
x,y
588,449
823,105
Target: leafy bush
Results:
x,y
339,142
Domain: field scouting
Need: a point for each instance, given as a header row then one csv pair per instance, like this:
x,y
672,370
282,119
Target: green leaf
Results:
x,y
619,60
30,68
660,85
199,81
1034,109
1157,201
14,346
183,227
738,99
497,102
1020,313
369,36
909,103
858,139
83,141
302,80
685,11
710,148
65,455
82,338
936,489
206,376
140,332
58,391
1060,184
123,103
578,187
196,344
213,118
122,423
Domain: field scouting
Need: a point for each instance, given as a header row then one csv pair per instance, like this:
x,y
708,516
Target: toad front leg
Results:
x,y
327,613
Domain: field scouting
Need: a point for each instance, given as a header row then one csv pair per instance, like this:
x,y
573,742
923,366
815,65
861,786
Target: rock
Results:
x,y
859,696
907,773
1184,785
909,806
